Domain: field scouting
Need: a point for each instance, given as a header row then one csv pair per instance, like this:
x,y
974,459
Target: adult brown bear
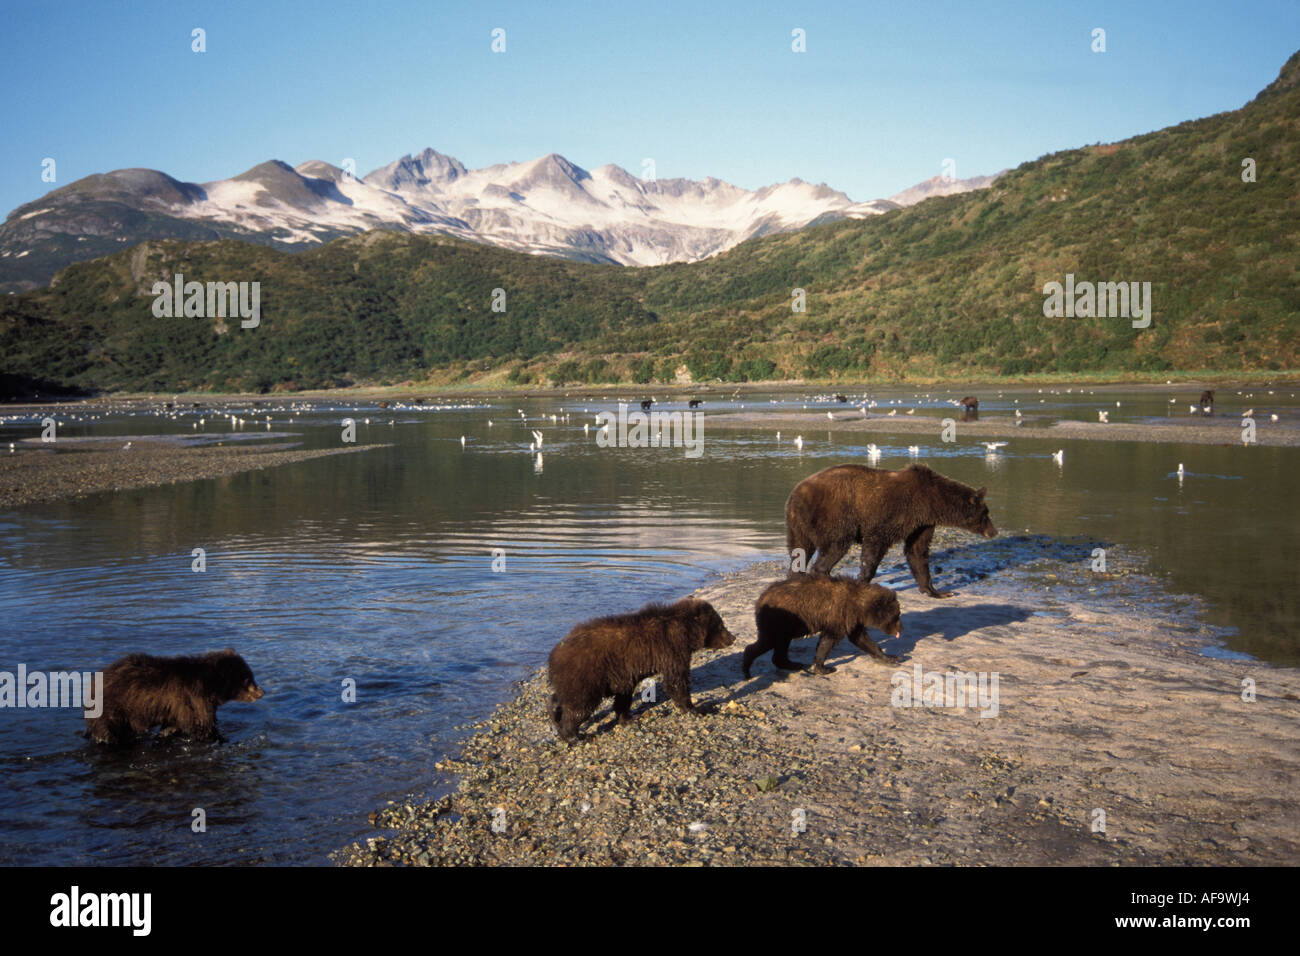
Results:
x,y
829,512
177,693
838,607
610,656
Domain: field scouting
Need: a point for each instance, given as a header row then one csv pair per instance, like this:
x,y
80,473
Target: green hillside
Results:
x,y
951,287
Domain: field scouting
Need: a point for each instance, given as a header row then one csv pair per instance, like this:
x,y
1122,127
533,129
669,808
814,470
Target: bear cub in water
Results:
x,y
838,607
610,656
174,693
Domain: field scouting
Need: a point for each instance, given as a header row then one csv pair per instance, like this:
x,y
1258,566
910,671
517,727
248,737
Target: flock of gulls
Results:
x,y
247,413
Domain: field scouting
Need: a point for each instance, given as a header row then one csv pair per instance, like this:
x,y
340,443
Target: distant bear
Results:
x,y
972,406
696,402
610,656
1207,402
838,507
841,399
838,607
645,405
176,693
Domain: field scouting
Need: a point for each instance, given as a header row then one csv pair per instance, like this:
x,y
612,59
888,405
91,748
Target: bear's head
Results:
x,y
234,677
882,610
708,629
976,515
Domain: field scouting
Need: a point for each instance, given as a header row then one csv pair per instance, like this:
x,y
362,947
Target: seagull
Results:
x,y
1180,469
1193,408
913,450
1272,418
1247,413
489,423
831,416
778,436
872,449
893,412
993,446
126,446
585,426
911,411
1059,456
537,436
462,441
1018,415
864,411
1103,416
798,442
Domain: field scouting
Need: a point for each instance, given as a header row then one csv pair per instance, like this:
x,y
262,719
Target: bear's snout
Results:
x,y
988,530
251,694
722,638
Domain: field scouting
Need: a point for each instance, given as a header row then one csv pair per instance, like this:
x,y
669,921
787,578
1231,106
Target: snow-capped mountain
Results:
x,y
548,206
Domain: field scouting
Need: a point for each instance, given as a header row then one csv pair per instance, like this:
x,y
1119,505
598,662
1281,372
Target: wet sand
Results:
x,y
1223,430
74,467
1106,703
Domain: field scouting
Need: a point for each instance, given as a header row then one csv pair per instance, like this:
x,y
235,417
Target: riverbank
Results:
x,y
75,467
1188,430
1116,741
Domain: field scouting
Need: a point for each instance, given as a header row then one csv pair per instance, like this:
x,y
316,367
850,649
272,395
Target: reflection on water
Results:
x,y
378,568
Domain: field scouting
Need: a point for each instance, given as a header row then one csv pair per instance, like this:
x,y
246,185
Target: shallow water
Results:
x,y
378,568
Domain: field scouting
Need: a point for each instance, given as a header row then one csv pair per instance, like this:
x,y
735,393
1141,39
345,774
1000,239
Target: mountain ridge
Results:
x,y
548,205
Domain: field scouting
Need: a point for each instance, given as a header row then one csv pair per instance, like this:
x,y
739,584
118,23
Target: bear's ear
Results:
x,y
979,495
227,652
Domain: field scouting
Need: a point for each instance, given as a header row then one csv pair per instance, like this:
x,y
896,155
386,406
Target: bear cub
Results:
x,y
838,607
174,693
610,656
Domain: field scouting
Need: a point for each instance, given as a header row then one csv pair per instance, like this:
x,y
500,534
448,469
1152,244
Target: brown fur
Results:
x,y
838,607
838,507
610,656
972,406
176,693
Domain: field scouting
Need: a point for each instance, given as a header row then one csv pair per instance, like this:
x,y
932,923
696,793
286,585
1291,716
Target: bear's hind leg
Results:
x,y
828,557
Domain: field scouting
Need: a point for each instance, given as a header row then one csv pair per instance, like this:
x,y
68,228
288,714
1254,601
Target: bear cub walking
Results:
x,y
838,607
610,656
174,693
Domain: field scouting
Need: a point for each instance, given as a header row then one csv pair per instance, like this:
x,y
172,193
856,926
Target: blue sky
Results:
x,y
884,93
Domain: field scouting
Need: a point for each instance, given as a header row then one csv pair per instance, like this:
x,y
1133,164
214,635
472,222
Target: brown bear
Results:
x,y
838,607
844,505
610,656
176,693
972,406
1207,402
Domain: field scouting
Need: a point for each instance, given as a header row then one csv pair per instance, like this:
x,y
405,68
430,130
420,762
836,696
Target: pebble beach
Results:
x,y
1117,740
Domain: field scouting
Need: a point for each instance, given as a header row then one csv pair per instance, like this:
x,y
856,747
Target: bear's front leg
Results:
x,y
917,549
863,641
678,685
622,708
